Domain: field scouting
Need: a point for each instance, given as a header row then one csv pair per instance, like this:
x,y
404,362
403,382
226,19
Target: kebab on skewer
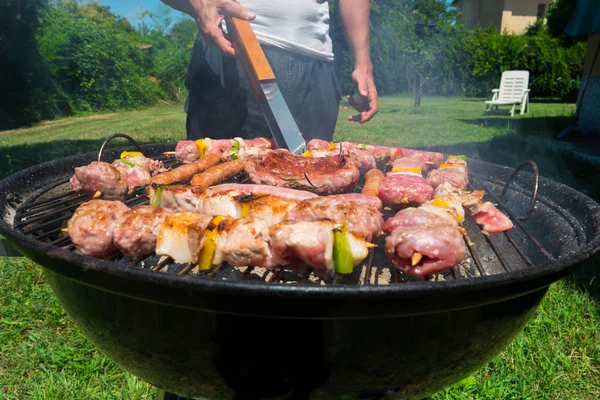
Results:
x,y
114,181
187,151
323,245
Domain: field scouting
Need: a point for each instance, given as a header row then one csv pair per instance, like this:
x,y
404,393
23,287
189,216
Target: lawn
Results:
x,y
557,356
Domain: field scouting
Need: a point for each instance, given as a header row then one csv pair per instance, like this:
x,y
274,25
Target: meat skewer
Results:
x,y
365,160
453,170
187,151
136,233
185,172
218,174
114,181
403,187
484,213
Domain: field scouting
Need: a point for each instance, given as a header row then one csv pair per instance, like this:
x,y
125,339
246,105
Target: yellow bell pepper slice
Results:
x,y
307,153
332,146
202,147
131,154
245,209
207,254
410,169
440,203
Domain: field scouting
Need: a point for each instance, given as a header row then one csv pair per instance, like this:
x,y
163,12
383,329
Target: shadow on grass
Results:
x,y
548,127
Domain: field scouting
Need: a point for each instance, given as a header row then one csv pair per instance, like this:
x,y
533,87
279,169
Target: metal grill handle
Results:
x,y
116,135
536,182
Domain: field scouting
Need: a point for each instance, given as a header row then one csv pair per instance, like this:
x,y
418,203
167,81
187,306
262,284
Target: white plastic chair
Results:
x,y
513,91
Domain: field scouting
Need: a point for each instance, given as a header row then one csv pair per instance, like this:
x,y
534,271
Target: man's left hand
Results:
x,y
365,101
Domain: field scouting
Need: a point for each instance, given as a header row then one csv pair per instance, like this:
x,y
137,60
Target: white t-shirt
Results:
x,y
299,26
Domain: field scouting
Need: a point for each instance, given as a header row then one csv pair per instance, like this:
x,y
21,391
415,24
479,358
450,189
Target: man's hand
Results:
x,y
209,14
365,100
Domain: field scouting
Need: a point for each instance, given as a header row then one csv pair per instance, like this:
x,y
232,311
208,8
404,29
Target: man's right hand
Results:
x,y
209,14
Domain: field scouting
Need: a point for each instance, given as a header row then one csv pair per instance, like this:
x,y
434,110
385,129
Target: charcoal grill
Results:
x,y
247,332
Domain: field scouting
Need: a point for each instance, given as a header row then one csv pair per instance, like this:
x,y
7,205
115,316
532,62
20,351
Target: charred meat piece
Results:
x,y
137,231
323,176
360,212
104,179
92,227
244,241
404,188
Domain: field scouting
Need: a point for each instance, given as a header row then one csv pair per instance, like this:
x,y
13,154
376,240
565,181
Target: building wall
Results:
x,y
519,14
480,12
513,16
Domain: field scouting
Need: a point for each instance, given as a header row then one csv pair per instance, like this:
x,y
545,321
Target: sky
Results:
x,y
130,8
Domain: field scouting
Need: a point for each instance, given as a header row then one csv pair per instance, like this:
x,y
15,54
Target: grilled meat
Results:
x,y
484,214
136,176
360,212
365,160
181,235
439,247
380,153
408,164
373,179
185,172
218,174
404,188
92,226
186,151
491,219
453,171
102,177
428,157
136,233
326,175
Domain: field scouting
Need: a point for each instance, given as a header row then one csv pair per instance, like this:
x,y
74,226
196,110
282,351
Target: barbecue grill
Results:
x,y
256,333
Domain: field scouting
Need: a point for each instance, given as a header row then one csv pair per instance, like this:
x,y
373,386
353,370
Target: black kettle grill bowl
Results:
x,y
222,339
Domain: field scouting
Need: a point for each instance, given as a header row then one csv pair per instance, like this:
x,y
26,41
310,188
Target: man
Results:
x,y
294,35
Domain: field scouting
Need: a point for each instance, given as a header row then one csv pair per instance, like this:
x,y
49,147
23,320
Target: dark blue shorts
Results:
x,y
220,103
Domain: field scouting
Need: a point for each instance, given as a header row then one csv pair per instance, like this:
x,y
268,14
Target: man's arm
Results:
x,y
209,14
355,21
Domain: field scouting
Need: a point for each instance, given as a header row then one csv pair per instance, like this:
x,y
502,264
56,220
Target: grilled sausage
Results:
x,y
373,179
185,172
218,173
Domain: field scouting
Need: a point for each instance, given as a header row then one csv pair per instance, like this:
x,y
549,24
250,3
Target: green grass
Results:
x,y
557,356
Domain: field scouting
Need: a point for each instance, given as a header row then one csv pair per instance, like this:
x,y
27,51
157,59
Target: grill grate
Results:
x,y
44,218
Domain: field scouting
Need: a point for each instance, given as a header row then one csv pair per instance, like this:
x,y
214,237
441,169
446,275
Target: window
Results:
x,y
541,10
